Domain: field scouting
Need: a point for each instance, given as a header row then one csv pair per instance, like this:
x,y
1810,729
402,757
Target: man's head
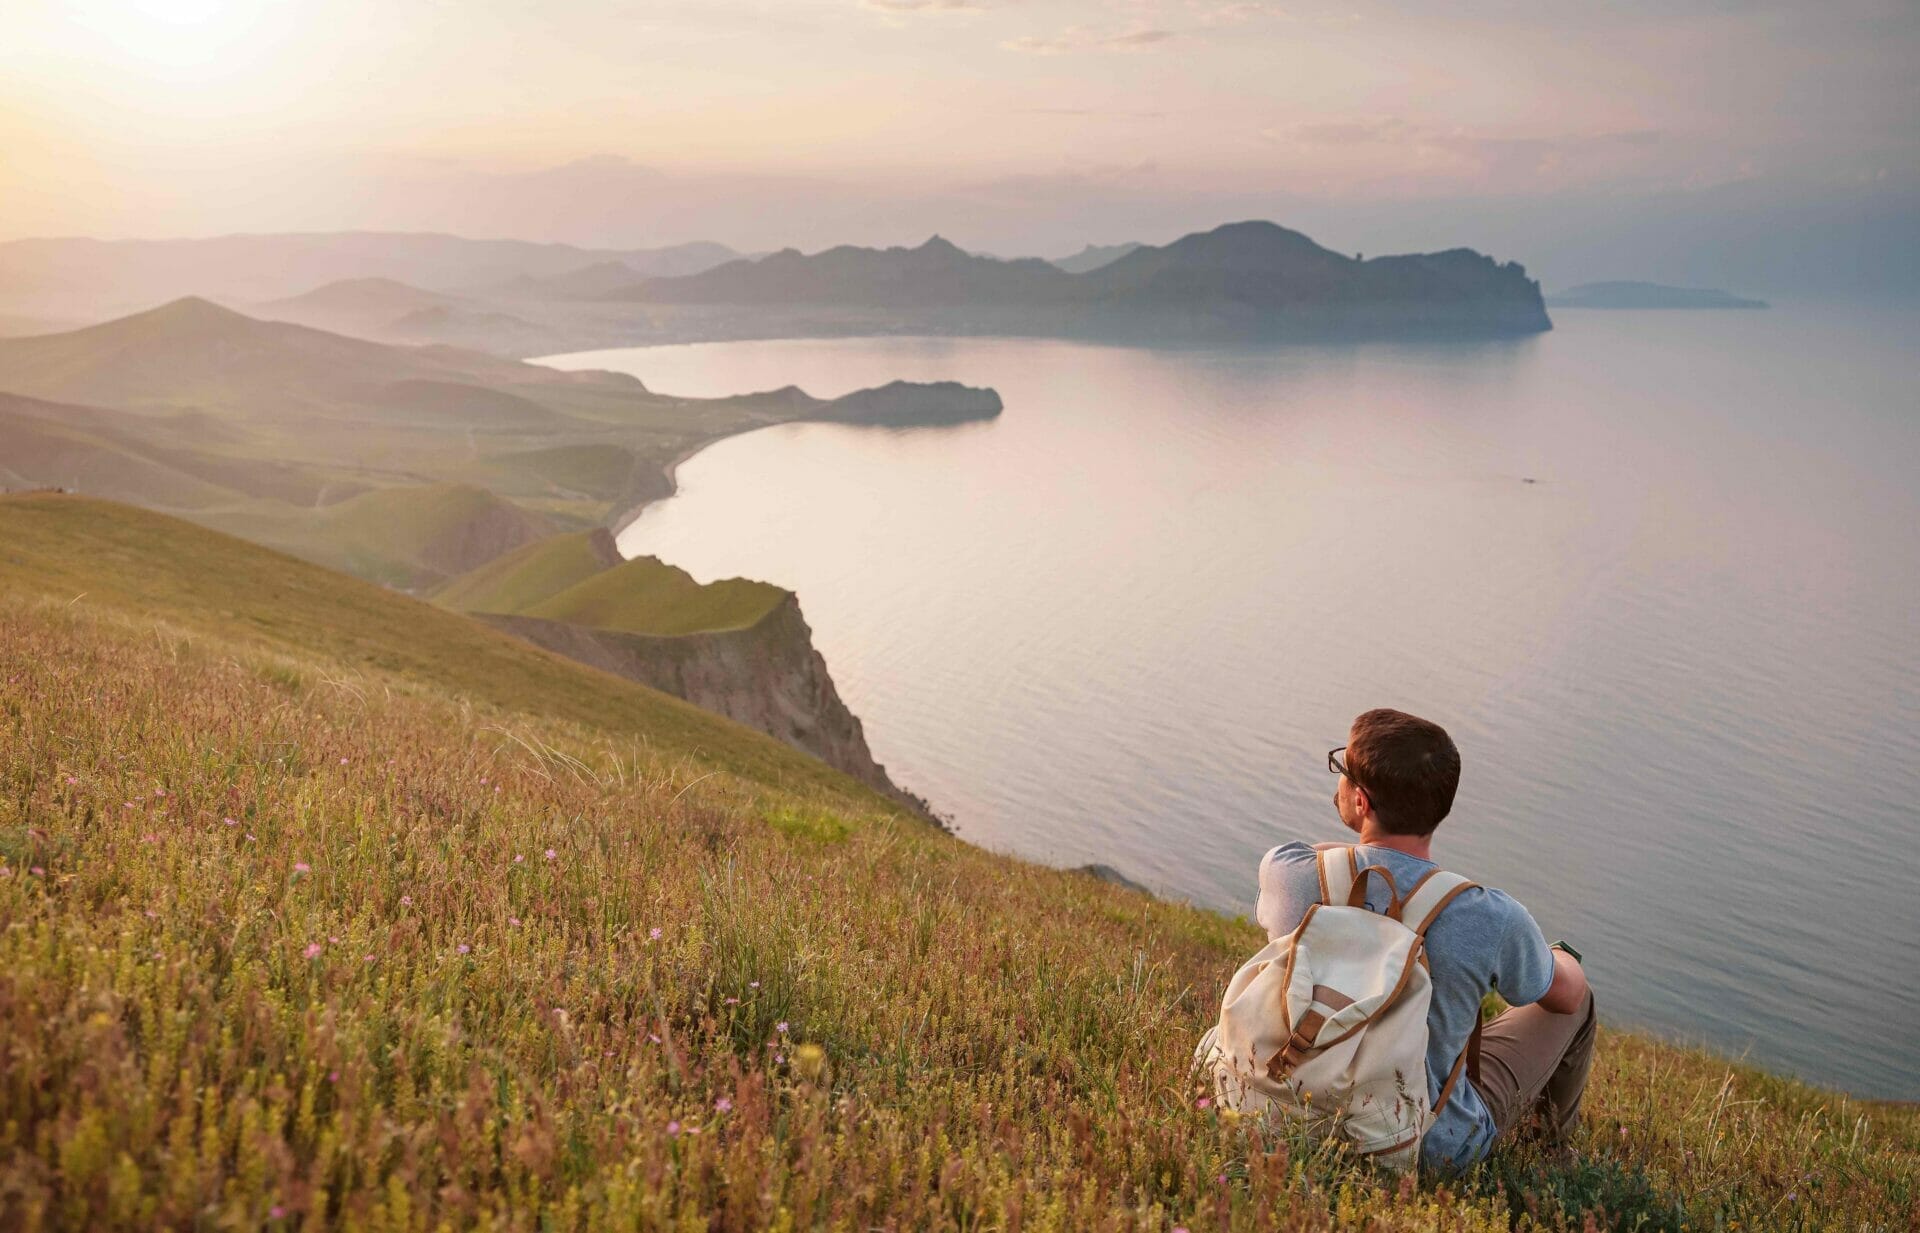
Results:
x,y
1401,769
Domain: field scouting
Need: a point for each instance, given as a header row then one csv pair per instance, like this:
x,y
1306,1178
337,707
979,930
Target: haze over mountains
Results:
x,y
1252,279
347,451
99,278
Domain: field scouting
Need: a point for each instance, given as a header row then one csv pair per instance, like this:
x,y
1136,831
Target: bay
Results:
x,y
1655,572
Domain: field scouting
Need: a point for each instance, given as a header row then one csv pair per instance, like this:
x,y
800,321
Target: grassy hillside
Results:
x,y
518,580
325,907
646,596
260,427
581,579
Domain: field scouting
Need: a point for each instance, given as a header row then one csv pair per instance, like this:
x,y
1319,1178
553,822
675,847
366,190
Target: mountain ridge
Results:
x,y
1247,277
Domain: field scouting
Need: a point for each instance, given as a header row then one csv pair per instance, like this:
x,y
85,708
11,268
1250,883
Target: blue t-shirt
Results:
x,y
1482,940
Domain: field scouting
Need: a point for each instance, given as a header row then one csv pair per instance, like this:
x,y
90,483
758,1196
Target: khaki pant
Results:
x,y
1533,1068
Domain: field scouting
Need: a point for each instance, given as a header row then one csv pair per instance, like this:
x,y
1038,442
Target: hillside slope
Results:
x,y
326,908
261,427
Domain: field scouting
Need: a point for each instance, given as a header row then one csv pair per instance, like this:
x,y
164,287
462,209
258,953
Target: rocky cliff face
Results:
x,y
768,677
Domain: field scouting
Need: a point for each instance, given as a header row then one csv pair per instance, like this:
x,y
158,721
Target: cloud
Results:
x,y
1086,39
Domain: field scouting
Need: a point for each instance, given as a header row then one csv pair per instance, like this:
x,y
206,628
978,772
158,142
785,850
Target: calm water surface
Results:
x,y
1124,622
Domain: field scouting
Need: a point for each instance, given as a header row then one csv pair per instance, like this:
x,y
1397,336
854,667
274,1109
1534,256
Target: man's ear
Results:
x,y
1361,805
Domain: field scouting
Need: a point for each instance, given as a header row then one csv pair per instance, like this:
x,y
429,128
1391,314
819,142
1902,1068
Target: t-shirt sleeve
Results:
x,y
1289,881
1523,970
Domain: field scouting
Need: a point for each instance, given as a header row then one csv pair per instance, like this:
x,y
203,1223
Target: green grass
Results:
x,y
412,536
203,584
520,579
282,946
646,596
597,471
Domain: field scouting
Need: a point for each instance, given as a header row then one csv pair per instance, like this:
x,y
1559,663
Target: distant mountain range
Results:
x,y
69,277
1646,295
1253,278
1248,280
1093,256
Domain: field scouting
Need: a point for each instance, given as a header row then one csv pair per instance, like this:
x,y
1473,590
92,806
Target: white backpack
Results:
x,y
1327,1026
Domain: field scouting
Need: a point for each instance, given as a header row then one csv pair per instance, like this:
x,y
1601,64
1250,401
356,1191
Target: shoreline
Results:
x,y
670,471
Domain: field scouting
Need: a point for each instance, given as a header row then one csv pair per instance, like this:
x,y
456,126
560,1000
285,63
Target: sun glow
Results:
x,y
180,12
172,34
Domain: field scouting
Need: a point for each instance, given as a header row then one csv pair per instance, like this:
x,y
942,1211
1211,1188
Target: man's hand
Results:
x,y
1568,992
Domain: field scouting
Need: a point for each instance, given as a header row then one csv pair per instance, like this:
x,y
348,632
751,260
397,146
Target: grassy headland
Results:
x,y
326,907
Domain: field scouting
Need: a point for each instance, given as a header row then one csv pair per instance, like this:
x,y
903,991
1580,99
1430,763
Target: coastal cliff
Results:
x,y
737,648
767,676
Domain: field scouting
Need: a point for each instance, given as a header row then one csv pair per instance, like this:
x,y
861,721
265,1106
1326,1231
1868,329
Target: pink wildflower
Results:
x,y
673,1129
230,821
464,948
159,791
551,854
514,921
1203,1102
483,779
302,867
276,1212
406,900
71,779
652,1039
38,871
312,951
779,1058
250,838
333,1076
343,762
781,1027
653,935
753,984
733,1001
517,858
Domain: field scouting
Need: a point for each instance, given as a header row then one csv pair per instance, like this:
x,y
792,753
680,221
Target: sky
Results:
x,y
1761,143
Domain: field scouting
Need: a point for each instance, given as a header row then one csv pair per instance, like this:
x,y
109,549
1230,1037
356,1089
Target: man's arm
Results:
x,y
1568,992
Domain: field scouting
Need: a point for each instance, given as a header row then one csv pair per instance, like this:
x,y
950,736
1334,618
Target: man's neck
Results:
x,y
1413,845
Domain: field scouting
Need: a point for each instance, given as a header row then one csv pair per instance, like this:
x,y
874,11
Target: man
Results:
x,y
1398,774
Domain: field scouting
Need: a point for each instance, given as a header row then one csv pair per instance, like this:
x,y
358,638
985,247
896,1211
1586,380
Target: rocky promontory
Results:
x,y
735,647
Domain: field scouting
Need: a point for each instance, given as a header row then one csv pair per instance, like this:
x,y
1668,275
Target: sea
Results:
x,y
1658,574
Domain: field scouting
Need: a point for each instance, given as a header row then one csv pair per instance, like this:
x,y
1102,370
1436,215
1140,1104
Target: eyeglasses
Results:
x,y
1339,767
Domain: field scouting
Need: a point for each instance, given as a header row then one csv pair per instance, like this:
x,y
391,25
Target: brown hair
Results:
x,y
1408,767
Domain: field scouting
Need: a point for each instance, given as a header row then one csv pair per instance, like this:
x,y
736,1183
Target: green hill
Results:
x,y
580,578
325,907
645,596
518,580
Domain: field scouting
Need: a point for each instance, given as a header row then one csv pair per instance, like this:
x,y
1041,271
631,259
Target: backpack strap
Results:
x,y
1429,897
1422,906
1468,1061
1339,870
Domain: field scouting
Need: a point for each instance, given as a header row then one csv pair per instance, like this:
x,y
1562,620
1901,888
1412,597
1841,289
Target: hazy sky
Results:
x,y
1538,129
